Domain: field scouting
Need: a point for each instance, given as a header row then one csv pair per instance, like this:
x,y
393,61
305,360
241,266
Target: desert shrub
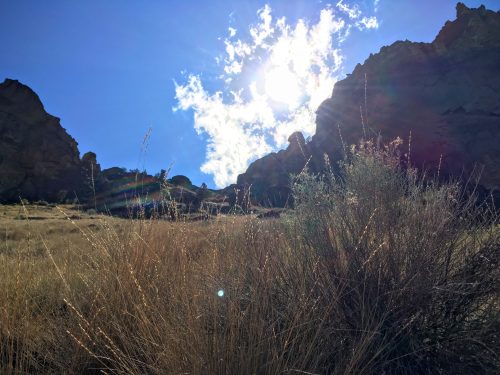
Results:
x,y
412,269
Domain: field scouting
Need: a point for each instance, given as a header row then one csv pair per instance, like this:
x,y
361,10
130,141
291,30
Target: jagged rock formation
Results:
x,y
38,159
90,165
268,178
446,93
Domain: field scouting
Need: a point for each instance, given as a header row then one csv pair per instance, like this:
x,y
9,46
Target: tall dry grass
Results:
x,y
374,271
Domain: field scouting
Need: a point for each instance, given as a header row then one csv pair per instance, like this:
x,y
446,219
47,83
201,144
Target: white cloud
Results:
x,y
352,11
369,22
355,14
234,130
274,81
264,29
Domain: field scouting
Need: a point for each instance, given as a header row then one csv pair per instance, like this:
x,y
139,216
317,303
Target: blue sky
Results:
x,y
113,69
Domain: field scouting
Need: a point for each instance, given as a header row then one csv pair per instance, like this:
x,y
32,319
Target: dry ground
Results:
x,y
48,255
28,229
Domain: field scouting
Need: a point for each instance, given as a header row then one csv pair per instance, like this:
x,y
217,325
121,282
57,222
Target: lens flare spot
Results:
x,y
220,293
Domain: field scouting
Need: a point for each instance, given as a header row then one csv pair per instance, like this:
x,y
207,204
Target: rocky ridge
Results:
x,y
445,93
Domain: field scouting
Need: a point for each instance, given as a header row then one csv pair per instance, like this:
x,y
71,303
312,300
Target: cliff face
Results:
x,y
38,159
446,93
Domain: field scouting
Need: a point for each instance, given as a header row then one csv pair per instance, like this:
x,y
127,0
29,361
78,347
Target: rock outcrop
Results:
x,y
268,178
446,93
38,159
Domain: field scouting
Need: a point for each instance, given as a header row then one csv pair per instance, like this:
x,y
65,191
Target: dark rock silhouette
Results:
x,y
39,160
92,177
446,93
269,177
89,163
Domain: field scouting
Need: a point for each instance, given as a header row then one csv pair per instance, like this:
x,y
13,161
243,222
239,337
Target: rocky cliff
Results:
x,y
446,93
38,159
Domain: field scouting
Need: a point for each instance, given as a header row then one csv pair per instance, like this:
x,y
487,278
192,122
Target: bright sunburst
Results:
x,y
273,76
281,85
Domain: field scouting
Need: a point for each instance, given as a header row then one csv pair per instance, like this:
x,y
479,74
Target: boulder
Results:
x,y
180,180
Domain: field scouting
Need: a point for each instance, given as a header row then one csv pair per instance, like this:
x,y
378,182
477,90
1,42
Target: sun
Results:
x,y
282,86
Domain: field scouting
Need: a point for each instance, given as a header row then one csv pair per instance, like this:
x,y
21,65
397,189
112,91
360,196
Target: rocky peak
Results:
x,y
21,98
89,161
464,10
446,93
296,141
38,159
473,28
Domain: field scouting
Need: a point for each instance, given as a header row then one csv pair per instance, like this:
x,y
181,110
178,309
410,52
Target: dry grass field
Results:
x,y
24,227
374,272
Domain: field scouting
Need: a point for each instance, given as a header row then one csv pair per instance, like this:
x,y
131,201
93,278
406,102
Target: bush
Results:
x,y
412,271
181,180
